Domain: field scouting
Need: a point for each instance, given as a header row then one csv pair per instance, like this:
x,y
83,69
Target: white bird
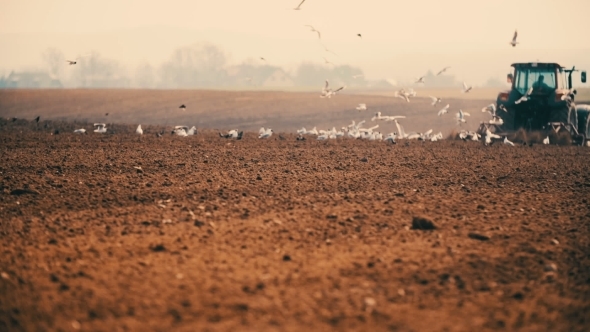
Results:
x,y
390,137
378,117
314,131
400,130
230,134
315,30
466,88
503,108
302,131
491,108
525,97
357,76
266,134
328,92
393,117
361,107
80,131
506,141
420,80
192,131
461,116
463,135
261,131
443,110
435,100
100,128
299,7
180,131
514,42
139,130
442,70
403,95
546,140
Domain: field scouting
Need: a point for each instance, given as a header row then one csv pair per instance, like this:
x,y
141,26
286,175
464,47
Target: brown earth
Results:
x,y
215,234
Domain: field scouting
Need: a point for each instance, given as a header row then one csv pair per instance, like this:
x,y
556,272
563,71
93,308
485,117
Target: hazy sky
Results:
x,y
400,39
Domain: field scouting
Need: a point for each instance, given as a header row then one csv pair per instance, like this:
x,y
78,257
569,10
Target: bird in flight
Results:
x,y
442,70
315,30
327,61
466,88
263,59
514,42
299,7
327,50
182,107
420,80
435,100
328,92
359,35
75,61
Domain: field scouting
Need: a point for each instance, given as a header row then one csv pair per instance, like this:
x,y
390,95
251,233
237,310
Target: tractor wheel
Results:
x,y
584,125
508,118
564,115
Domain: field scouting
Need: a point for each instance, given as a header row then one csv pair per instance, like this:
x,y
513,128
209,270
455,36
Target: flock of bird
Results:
x,y
353,130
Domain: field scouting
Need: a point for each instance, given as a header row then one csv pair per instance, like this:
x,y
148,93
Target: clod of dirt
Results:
x,y
551,267
158,248
19,192
199,223
364,159
286,258
477,236
422,223
259,177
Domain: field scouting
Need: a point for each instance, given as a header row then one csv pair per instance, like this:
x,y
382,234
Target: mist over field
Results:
x,y
198,44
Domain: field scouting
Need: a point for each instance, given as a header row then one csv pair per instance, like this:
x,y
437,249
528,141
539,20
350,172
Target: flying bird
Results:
x,y
466,88
315,30
327,50
435,100
37,119
263,59
299,7
461,117
443,70
420,80
357,76
506,141
514,42
182,107
361,107
359,35
443,110
327,62
75,61
525,97
328,92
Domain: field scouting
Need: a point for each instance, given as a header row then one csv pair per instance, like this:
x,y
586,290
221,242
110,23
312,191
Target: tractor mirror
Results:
x,y
583,77
510,77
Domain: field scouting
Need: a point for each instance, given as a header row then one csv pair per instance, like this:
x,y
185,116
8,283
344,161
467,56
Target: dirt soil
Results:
x,y
126,233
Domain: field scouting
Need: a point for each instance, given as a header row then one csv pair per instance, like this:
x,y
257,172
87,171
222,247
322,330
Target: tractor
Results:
x,y
541,98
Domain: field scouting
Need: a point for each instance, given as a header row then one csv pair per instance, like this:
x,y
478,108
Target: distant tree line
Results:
x,y
202,65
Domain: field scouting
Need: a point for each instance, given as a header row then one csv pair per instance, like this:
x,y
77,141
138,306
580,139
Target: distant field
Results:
x,y
245,110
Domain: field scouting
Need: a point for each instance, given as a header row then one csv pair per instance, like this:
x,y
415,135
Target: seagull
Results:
x,y
514,42
442,70
359,35
315,30
182,107
443,110
403,95
488,137
230,134
466,88
192,131
80,131
328,92
506,141
420,80
100,128
435,100
362,107
491,108
180,131
525,97
461,116
139,130
263,59
267,133
299,7
503,108
327,62
546,140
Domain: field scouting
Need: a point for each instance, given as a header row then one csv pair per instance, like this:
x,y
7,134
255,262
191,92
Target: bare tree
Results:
x,y
145,76
55,61
198,65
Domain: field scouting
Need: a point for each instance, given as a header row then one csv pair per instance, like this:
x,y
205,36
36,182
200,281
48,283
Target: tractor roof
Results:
x,y
536,65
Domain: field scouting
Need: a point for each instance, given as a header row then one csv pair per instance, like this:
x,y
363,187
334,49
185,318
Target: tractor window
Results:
x,y
527,77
